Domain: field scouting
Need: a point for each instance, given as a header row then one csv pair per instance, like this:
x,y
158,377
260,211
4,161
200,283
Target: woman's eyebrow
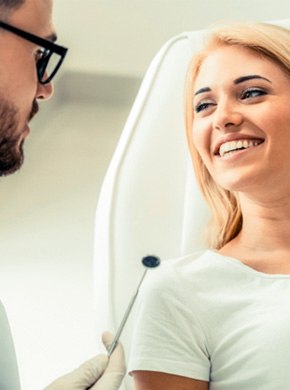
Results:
x,y
250,77
201,90
236,81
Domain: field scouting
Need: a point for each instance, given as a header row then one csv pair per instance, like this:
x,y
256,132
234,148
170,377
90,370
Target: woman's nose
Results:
x,y
227,115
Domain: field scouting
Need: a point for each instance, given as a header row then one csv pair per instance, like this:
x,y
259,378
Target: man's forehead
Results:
x,y
35,16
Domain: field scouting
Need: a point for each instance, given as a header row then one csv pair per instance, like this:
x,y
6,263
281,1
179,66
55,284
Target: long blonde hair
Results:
x,y
268,40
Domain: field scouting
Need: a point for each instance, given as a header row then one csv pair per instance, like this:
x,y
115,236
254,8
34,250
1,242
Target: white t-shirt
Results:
x,y
210,317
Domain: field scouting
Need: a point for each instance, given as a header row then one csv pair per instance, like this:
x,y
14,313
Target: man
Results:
x,y
29,60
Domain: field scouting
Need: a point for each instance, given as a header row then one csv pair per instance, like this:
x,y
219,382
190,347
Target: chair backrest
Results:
x,y
9,375
149,202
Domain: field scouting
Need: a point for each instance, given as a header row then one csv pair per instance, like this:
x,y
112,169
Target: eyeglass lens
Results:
x,y
48,66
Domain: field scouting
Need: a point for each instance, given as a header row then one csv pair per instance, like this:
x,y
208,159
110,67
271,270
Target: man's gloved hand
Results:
x,y
98,373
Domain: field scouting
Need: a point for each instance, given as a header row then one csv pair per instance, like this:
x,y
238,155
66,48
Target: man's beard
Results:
x,y
11,151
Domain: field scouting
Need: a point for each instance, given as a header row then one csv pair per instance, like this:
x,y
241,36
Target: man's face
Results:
x,y
19,86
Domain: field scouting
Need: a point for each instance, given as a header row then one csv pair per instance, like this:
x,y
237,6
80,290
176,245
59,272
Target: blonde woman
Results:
x,y
220,319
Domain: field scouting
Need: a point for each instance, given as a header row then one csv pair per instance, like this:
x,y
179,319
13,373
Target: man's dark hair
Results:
x,y
10,4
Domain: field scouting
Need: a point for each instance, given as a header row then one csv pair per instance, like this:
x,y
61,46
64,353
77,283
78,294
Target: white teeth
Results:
x,y
229,147
239,144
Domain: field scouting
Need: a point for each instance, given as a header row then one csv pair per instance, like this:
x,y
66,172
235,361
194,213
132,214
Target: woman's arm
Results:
x,y
151,380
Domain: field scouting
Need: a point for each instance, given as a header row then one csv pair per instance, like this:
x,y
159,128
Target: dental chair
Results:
x,y
149,202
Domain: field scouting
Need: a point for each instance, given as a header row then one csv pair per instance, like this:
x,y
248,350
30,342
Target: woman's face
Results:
x,y
241,125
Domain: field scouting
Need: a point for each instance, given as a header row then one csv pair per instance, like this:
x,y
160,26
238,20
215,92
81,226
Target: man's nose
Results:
x,y
44,91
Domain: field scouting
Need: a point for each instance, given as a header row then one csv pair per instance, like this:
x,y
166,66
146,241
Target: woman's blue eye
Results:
x,y
202,106
250,93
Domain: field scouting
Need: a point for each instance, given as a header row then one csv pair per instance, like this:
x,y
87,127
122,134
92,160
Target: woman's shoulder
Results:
x,y
196,263
192,269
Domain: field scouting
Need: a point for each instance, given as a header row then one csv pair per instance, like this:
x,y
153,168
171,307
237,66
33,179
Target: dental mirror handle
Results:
x,y
125,317
148,262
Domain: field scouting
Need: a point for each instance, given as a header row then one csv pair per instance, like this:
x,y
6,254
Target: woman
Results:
x,y
220,319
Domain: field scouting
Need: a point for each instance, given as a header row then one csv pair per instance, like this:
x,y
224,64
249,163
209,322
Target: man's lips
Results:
x,y
26,129
34,110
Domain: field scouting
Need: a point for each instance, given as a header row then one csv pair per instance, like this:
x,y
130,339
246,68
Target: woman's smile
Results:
x,y
242,117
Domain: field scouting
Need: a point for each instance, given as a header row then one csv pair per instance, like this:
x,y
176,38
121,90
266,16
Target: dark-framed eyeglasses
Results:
x,y
51,55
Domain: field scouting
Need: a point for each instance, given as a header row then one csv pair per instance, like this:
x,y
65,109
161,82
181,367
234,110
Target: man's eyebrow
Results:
x,y
250,77
52,37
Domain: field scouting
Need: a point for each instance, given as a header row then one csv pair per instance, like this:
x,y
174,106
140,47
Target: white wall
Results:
x,y
121,36
47,232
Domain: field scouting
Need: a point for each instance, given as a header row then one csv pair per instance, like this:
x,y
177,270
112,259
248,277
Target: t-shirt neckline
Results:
x,y
236,262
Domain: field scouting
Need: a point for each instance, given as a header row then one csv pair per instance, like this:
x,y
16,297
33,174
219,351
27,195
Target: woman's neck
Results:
x,y
266,225
264,240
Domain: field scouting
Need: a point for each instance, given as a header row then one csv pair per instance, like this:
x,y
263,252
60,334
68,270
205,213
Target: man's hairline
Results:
x,y
6,11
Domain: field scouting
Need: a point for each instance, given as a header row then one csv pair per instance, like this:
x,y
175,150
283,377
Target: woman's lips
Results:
x,y
234,142
234,146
